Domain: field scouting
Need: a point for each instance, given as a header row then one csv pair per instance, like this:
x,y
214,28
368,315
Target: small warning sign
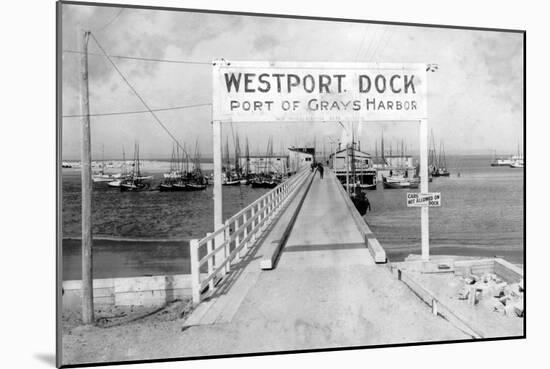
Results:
x,y
424,199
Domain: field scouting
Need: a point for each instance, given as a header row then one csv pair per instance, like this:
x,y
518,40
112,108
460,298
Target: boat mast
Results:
x,y
247,170
237,153
124,169
172,159
102,159
382,148
228,163
138,163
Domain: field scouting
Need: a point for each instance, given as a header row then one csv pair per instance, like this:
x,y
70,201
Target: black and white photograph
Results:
x,y
232,183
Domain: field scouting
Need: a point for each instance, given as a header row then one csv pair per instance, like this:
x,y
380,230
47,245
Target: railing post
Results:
x,y
253,225
271,203
245,234
237,240
262,213
209,249
195,271
227,248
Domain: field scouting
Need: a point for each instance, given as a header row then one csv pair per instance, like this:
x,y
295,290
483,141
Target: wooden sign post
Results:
x,y
424,211
86,178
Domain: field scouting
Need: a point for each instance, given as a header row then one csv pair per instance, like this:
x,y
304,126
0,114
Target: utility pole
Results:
x,y
86,174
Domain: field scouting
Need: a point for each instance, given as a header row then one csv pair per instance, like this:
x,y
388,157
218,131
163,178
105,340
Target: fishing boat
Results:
x,y
440,169
186,180
175,165
166,186
188,184
119,178
198,181
500,161
135,182
517,162
264,182
195,186
437,165
231,182
102,176
400,181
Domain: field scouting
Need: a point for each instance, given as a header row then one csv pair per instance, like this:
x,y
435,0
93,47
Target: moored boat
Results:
x,y
135,182
131,185
396,182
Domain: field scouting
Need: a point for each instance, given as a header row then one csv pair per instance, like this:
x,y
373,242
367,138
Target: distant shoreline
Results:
x,y
207,160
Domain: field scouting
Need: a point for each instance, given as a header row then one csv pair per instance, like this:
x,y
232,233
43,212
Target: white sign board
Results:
x,y
318,92
424,199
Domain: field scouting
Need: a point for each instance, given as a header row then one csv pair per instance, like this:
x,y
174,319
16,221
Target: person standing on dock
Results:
x,y
320,169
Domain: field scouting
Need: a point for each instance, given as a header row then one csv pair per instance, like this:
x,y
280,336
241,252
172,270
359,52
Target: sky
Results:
x,y
475,98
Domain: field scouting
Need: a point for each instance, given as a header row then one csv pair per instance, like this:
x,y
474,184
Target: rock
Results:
x,y
463,293
509,310
515,289
518,307
496,290
504,299
507,290
496,306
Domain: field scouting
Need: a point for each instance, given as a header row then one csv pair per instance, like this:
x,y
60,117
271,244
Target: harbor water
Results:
x,y
147,233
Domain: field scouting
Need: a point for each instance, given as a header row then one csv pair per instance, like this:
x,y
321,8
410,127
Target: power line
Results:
x,y
110,22
136,111
376,44
370,43
362,42
383,42
141,59
137,94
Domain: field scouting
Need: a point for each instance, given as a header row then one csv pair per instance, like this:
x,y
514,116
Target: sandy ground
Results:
x,y
117,332
320,295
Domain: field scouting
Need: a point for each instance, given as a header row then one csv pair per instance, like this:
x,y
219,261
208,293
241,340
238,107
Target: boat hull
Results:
x,y
401,183
133,187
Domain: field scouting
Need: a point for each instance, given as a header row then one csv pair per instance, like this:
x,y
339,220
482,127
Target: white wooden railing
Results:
x,y
231,241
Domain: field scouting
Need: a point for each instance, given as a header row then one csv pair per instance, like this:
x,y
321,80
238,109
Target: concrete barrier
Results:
x,y
141,291
377,251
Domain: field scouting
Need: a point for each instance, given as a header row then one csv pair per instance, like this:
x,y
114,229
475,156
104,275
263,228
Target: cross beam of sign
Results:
x,y
274,92
318,92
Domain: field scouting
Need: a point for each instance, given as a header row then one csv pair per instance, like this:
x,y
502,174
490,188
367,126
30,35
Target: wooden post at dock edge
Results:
x,y
218,196
424,215
86,177
195,271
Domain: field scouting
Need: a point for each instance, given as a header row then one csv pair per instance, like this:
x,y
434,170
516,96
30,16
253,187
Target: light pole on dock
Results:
x,y
86,178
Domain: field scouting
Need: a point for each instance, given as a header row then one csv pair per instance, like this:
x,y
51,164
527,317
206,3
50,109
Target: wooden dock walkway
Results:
x,y
324,233
325,291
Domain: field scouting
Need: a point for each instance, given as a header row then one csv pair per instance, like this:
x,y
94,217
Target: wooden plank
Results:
x,y
151,283
437,306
